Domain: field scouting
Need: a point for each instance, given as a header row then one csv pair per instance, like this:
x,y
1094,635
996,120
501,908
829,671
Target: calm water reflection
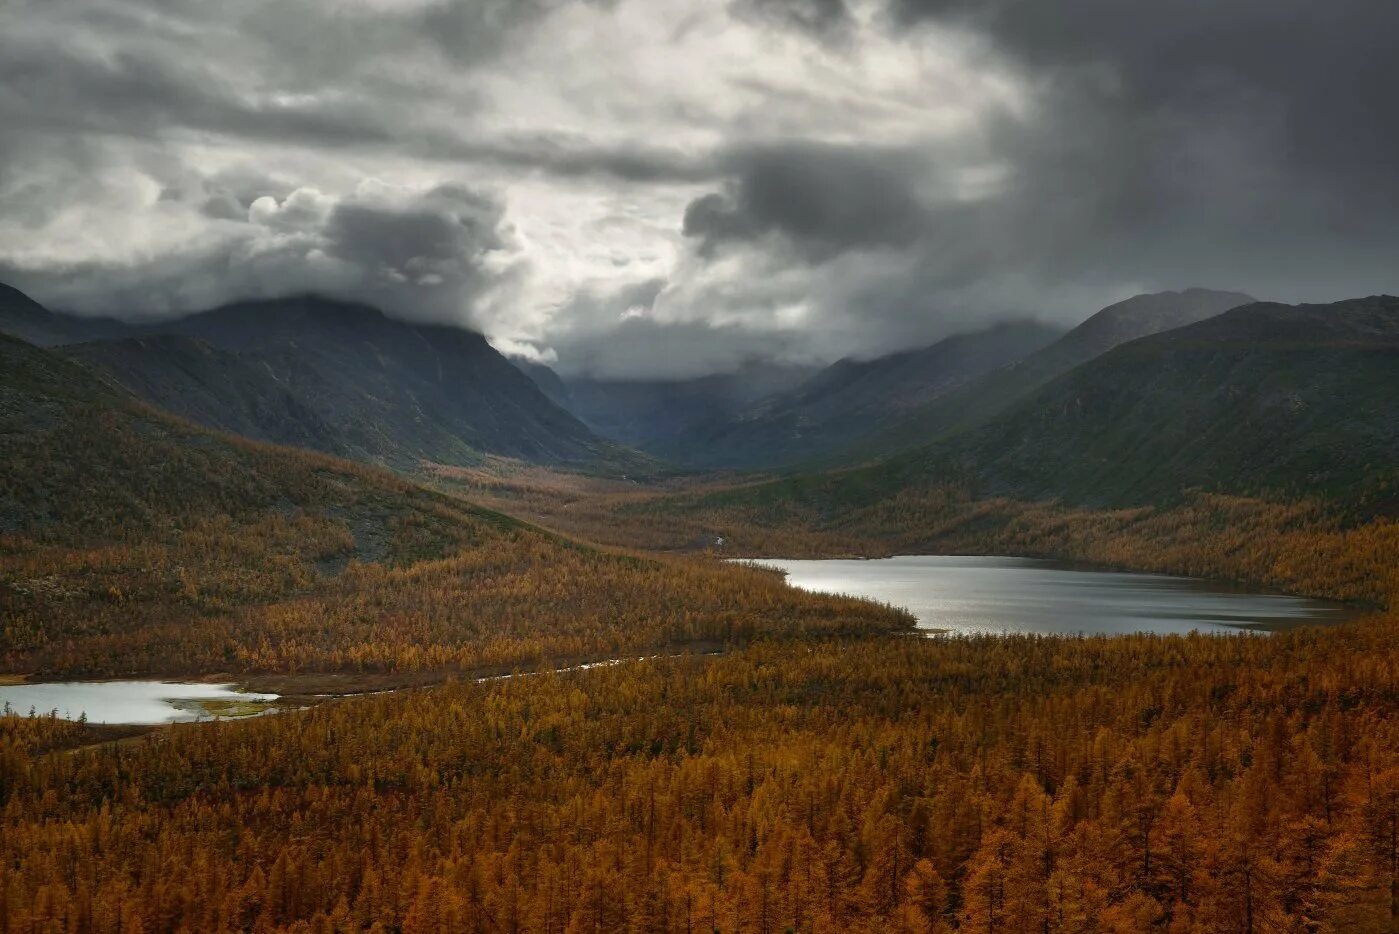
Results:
x,y
989,594
121,701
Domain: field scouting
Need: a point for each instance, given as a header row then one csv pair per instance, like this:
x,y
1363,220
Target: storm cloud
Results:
x,y
629,187
435,255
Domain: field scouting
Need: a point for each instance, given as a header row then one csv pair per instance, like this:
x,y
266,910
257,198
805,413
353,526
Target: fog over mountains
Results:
x,y
764,234
329,376
347,380
668,189
852,410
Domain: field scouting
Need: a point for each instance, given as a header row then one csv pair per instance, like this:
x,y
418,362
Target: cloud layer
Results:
x,y
671,187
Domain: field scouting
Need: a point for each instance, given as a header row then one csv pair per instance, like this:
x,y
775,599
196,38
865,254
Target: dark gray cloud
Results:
x,y
615,334
70,89
1244,144
1324,71
822,17
678,184
427,256
823,198
417,239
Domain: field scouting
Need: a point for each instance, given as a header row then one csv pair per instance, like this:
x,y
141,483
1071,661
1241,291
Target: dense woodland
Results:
x,y
1000,785
827,770
135,543
807,782
1306,546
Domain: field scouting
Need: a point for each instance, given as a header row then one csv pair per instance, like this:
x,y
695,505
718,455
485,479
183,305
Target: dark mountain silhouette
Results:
x,y
1273,400
87,461
22,317
223,389
844,401
858,410
1266,397
335,376
994,392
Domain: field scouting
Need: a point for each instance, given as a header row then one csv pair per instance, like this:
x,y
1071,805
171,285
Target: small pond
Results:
x,y
126,702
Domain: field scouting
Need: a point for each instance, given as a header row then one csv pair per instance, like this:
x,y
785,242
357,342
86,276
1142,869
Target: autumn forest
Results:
x,y
753,758
691,467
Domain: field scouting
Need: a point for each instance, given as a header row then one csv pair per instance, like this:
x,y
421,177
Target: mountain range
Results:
x,y
765,417
840,404
332,376
995,392
1148,397
1276,401
1265,398
665,417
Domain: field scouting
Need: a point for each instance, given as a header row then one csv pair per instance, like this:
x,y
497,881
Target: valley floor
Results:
x,y
820,775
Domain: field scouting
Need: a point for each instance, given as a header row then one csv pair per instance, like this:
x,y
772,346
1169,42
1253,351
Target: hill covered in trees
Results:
x,y
828,772
1288,400
973,784
982,399
1288,404
135,542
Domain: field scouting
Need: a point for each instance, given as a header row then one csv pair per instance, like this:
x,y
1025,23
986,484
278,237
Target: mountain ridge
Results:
x,y
340,377
1291,399
1263,400
982,398
842,401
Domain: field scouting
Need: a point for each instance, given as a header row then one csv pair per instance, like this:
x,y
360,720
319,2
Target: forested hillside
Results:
x,y
1293,406
229,391
984,784
981,400
1265,398
134,542
822,775
410,494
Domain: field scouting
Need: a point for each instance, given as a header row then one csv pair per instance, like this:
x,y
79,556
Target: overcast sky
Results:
x,y
668,187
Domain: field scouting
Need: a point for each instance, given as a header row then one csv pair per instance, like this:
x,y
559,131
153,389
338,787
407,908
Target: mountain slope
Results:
x,y
1265,397
844,401
1291,412
996,391
133,542
333,376
549,382
225,390
402,392
85,462
22,317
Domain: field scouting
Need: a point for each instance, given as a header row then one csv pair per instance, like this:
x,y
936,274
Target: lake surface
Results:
x,y
123,701
956,594
1024,595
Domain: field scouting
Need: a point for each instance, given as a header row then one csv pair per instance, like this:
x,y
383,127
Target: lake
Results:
x,y
1024,595
956,594
144,702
